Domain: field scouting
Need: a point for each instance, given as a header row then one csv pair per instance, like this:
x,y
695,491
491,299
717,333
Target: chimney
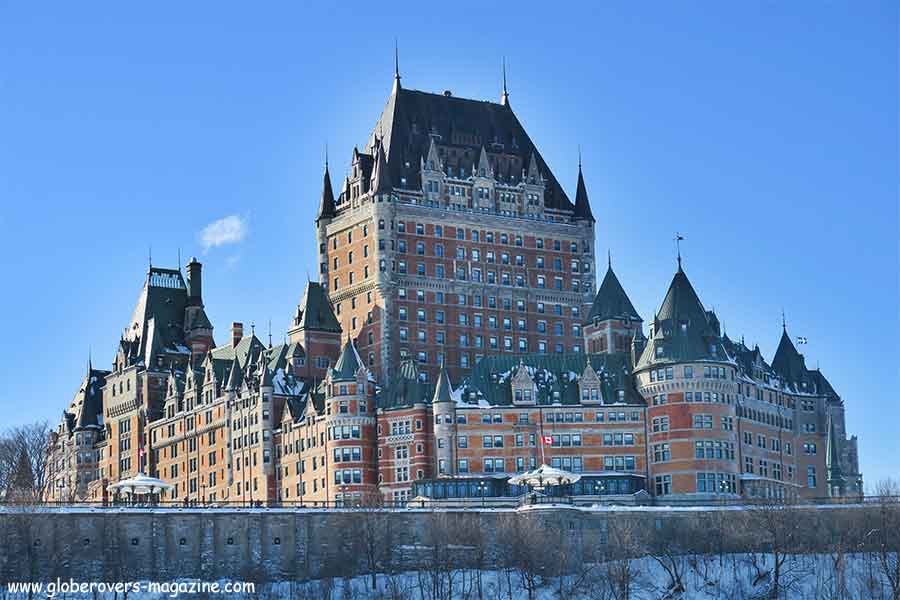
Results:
x,y
195,282
237,333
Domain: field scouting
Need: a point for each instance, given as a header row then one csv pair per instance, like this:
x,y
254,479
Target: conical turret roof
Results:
x,y
611,301
326,205
347,364
443,391
582,204
682,330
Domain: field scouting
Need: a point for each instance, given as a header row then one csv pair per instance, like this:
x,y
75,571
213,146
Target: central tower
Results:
x,y
451,239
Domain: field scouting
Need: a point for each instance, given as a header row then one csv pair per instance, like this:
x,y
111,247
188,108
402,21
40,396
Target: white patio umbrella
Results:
x,y
140,484
544,476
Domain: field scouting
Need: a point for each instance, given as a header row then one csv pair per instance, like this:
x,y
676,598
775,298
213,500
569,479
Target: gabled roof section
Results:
x,y
315,311
682,330
411,119
611,301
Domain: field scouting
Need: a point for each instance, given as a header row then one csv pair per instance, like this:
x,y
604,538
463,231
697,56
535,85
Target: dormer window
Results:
x,y
659,352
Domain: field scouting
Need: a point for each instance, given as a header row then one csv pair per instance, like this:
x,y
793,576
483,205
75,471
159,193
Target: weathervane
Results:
x,y
677,240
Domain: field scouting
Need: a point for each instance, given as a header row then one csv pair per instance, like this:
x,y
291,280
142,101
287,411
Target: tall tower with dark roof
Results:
x,y
450,220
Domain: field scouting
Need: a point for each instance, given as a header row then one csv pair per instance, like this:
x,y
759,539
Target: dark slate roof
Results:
x,y
326,205
788,362
491,378
582,204
412,118
88,401
611,301
683,328
157,323
381,176
315,311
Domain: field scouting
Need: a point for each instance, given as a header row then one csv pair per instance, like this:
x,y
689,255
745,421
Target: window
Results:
x,y
663,485
702,422
661,453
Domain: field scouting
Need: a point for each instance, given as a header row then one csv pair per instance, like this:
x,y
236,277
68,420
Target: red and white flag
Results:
x,y
547,439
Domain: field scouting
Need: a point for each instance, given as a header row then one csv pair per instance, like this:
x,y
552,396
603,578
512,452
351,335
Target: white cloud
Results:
x,y
229,230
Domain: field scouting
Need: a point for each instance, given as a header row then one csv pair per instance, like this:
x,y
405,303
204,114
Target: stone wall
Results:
x,y
260,545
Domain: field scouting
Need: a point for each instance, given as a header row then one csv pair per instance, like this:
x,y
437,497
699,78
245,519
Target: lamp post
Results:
x,y
600,487
482,487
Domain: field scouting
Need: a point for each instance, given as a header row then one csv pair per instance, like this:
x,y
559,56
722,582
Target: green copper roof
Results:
x,y
682,330
347,364
443,391
555,376
404,388
611,301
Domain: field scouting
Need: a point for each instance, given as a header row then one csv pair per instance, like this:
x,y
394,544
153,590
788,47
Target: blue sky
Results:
x,y
765,132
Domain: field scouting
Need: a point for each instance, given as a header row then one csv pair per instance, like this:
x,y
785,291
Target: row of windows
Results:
x,y
476,274
474,255
489,237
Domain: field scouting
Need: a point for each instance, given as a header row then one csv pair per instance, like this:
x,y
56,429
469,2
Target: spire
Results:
x,y
678,240
443,391
833,461
235,377
484,165
396,68
504,97
381,178
582,204
326,205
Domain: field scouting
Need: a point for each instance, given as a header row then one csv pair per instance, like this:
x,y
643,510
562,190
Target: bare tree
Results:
x,y
886,536
528,553
778,527
23,463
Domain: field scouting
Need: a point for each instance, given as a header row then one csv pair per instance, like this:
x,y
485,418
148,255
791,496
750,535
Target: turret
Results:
x,y
444,409
637,345
610,323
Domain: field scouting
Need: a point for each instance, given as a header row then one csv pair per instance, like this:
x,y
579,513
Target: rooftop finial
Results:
x,y
678,239
396,66
270,333
609,258
326,156
579,157
783,321
150,255
504,97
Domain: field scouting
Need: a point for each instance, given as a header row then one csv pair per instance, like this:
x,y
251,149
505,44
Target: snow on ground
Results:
x,y
726,577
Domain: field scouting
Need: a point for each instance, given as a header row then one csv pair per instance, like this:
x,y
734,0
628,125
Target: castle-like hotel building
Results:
x,y
456,337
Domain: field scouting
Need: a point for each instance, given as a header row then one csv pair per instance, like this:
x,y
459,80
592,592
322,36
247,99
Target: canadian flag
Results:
x,y
547,439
